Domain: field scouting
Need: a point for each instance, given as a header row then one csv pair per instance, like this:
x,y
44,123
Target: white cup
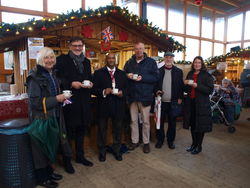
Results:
x,y
190,82
135,76
115,90
86,82
67,93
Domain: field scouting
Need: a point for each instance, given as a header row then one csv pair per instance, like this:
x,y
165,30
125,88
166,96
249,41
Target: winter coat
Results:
x,y
244,79
203,114
38,87
142,91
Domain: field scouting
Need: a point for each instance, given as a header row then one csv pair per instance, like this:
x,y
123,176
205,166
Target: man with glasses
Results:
x,y
73,70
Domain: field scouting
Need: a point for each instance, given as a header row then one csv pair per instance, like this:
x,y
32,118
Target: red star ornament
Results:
x,y
87,31
123,36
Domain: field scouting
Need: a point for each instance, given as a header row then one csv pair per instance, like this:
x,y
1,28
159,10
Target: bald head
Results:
x,y
139,50
110,60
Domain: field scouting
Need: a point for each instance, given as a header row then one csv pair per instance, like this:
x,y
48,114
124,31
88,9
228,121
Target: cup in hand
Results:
x,y
115,91
86,82
67,93
135,76
190,82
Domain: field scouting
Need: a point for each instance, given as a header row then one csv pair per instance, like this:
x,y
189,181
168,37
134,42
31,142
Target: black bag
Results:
x,y
176,109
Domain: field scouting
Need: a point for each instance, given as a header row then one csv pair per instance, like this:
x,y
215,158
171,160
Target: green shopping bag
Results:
x,y
45,132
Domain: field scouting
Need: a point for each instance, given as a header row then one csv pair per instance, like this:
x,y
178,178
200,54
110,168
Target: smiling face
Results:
x,y
110,60
139,50
49,61
197,64
168,61
76,47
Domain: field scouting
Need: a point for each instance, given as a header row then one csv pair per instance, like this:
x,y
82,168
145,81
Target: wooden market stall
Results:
x,y
125,28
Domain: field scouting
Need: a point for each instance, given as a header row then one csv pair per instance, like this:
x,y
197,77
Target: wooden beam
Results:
x,y
25,11
229,2
241,9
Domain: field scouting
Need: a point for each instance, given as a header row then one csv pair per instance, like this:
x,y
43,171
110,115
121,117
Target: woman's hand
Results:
x,y
60,98
194,85
76,85
89,86
186,82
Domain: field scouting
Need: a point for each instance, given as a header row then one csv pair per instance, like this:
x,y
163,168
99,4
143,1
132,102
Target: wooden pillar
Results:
x,y
140,7
243,29
213,32
114,2
225,35
166,12
185,25
83,4
45,7
200,28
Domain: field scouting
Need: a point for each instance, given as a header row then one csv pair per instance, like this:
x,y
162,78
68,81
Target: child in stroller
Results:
x,y
227,104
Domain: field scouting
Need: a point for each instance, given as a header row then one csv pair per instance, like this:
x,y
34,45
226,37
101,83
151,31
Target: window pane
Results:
x,y
207,23
247,26
132,5
192,20
219,27
218,49
234,28
152,8
192,49
206,49
247,44
176,13
229,46
62,6
17,18
25,4
90,4
178,55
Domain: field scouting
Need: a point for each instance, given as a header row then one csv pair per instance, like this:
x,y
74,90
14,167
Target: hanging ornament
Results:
x,y
87,31
43,28
198,2
123,36
17,33
105,46
114,11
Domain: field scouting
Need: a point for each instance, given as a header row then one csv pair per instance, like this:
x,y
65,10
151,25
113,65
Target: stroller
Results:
x,y
218,114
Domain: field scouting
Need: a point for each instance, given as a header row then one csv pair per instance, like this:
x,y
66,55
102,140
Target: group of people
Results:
x,y
115,89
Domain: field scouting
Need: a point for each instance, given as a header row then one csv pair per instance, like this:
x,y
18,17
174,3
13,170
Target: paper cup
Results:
x,y
115,90
86,82
135,76
67,93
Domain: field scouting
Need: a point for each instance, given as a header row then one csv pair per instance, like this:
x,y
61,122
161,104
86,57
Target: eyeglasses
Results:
x,y
77,46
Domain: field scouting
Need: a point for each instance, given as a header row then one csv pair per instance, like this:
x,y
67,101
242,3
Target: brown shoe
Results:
x,y
146,148
132,146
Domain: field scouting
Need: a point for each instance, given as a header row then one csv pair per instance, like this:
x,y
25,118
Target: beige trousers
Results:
x,y
135,108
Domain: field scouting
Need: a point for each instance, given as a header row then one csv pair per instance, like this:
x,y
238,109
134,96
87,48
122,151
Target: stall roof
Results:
x,y
61,27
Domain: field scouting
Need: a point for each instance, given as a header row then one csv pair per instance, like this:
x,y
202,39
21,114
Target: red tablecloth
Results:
x,y
13,109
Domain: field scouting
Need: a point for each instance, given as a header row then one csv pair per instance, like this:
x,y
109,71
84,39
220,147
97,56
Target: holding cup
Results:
x,y
190,82
67,93
86,82
115,91
135,76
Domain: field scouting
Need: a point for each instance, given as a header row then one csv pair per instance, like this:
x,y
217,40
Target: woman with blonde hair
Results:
x,y
43,88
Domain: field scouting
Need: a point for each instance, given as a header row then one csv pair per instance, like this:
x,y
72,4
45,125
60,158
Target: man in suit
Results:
x,y
170,86
72,69
110,84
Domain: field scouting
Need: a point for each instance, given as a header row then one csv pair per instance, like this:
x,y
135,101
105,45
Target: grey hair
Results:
x,y
45,51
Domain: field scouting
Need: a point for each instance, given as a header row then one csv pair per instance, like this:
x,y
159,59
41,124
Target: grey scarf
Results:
x,y
78,60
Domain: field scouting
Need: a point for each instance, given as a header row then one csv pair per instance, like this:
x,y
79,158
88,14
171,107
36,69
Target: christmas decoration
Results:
x,y
123,36
107,34
43,28
105,46
87,31
32,25
198,2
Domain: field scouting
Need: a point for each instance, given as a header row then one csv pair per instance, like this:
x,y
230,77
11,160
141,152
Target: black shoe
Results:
x,y
132,146
158,144
68,165
196,150
146,148
190,148
171,145
55,176
49,184
102,157
118,157
84,161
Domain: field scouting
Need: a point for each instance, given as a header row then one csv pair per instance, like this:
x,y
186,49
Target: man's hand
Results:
x,y
107,91
139,78
194,85
89,86
130,75
119,94
76,85
159,92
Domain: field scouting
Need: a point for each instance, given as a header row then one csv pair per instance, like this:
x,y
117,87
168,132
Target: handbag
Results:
x,y
45,133
176,109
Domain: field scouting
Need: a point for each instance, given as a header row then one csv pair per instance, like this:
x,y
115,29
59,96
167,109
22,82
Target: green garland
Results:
x,y
241,53
62,19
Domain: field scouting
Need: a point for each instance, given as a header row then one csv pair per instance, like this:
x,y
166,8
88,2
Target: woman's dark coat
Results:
x,y
38,88
203,110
